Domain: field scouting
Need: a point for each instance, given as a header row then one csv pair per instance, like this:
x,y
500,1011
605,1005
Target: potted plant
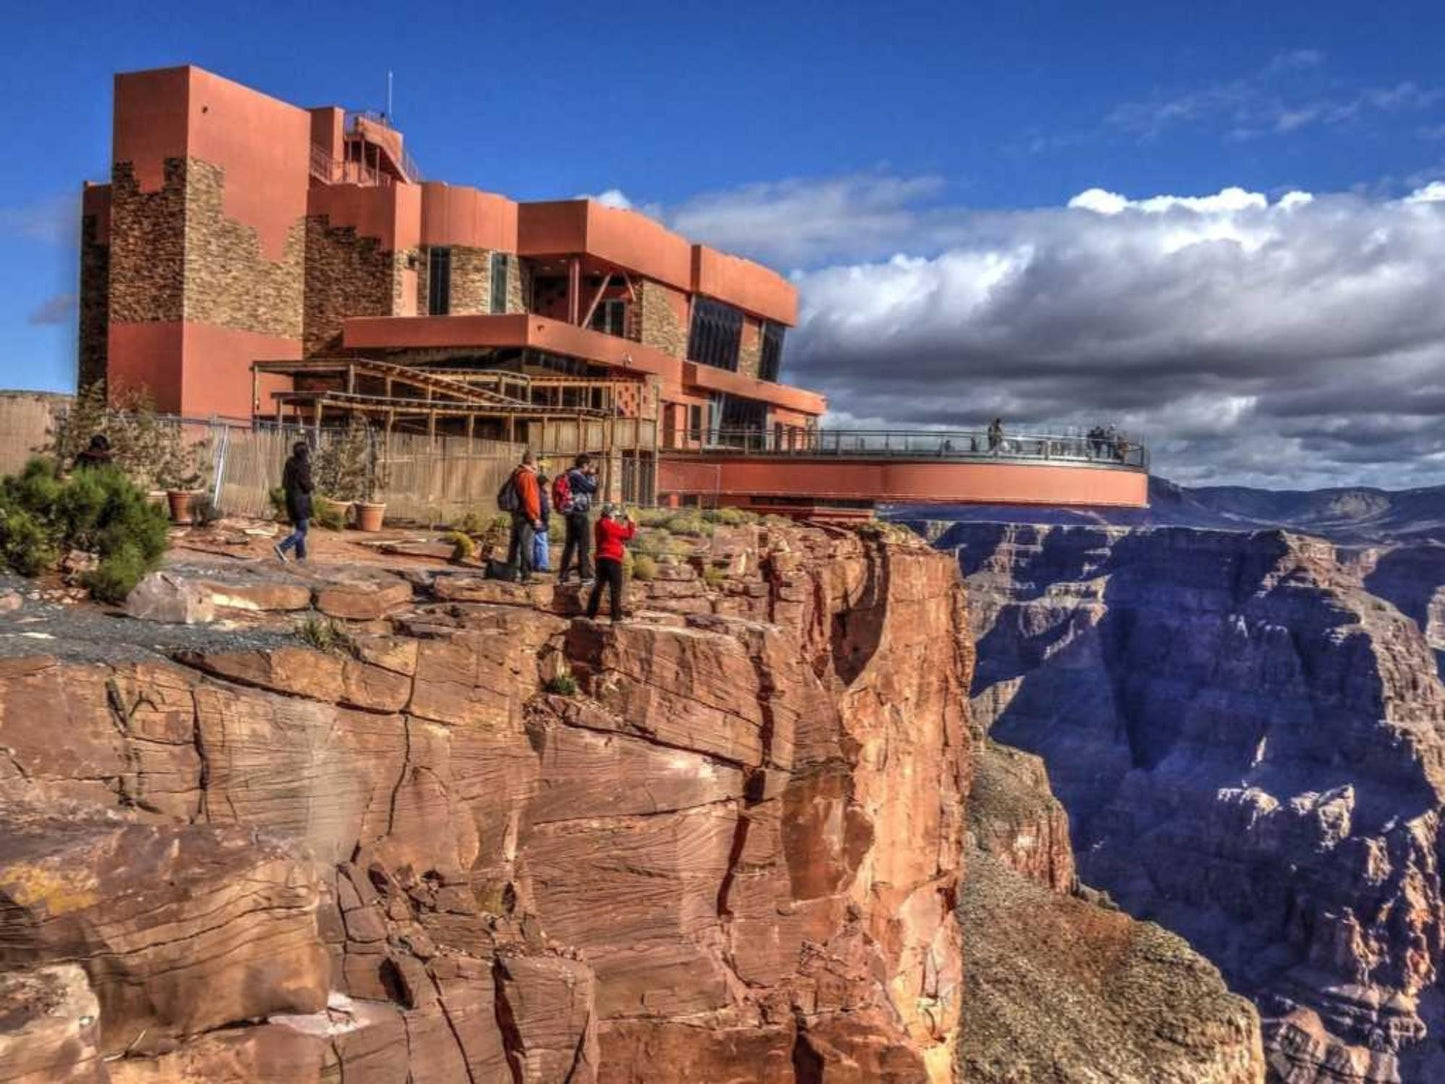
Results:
x,y
180,469
347,471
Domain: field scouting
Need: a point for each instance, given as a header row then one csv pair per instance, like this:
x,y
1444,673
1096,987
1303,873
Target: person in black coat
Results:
x,y
296,481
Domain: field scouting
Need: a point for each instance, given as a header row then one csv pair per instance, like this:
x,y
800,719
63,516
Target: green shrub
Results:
x,y
327,634
463,548
328,515
658,542
563,683
712,576
474,522
98,511
117,574
729,517
204,510
557,530
25,545
644,567
690,523
652,517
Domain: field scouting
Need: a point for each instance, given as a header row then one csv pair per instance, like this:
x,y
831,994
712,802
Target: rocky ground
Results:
x,y
1250,744
379,819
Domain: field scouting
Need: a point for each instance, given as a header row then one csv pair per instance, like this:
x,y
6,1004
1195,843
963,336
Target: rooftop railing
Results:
x,y
1110,450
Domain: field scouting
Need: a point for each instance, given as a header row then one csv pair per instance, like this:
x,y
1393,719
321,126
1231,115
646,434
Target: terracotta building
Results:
x,y
239,228
251,257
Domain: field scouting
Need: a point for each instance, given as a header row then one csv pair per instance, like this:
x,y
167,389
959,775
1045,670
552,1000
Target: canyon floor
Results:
x,y
379,819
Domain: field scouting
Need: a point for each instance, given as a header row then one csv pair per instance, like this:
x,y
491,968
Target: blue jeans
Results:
x,y
296,538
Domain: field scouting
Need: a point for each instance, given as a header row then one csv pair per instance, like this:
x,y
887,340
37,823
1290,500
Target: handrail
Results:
x,y
1115,450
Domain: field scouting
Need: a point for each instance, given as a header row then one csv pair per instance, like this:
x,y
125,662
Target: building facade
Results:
x,y
238,228
251,257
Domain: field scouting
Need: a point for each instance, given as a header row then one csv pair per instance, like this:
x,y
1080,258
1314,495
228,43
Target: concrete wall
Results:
x,y
26,419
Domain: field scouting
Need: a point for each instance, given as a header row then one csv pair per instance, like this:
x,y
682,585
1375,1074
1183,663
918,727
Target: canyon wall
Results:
x,y
483,841
1248,742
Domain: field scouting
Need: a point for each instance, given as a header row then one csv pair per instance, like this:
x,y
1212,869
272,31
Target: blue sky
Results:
x,y
870,129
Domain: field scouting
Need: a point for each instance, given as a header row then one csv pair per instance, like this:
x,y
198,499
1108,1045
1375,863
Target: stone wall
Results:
x,y
346,275
175,255
471,293
94,302
229,281
147,246
750,348
659,324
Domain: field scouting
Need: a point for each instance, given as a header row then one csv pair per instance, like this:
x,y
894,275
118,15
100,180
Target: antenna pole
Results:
x,y
388,95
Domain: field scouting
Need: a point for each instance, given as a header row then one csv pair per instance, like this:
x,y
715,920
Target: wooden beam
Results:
x,y
596,299
574,289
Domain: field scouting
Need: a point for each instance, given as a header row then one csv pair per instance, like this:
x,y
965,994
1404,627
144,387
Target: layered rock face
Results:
x,y
731,855
1249,745
1060,986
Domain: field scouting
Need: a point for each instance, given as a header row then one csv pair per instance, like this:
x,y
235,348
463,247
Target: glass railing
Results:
x,y
1102,449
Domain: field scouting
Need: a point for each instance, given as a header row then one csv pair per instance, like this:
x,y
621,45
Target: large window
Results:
x,y
717,332
501,266
771,359
610,316
439,281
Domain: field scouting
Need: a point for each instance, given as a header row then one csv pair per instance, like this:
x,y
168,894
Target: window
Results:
x,y
611,317
694,422
501,267
771,358
439,281
716,335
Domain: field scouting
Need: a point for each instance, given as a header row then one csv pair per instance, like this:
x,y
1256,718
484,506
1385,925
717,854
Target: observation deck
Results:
x,y
850,471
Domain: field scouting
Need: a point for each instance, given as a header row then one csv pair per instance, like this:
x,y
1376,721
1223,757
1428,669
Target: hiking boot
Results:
x,y
280,553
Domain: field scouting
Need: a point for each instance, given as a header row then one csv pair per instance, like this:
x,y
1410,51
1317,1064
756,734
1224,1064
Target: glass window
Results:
x,y
439,281
694,422
501,265
611,317
771,360
716,334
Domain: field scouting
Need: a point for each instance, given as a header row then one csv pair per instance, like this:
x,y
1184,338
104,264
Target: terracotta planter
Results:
x,y
369,516
180,502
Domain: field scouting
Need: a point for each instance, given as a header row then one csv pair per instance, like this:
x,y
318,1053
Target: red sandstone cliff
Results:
x,y
1251,748
732,856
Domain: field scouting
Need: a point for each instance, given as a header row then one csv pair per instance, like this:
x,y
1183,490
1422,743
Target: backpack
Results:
x,y
561,494
508,499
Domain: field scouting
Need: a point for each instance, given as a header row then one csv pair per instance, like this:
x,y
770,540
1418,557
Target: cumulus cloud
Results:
x,y
1289,340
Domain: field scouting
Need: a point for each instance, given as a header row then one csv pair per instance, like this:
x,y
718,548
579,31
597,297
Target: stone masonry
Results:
x,y
658,321
346,275
94,302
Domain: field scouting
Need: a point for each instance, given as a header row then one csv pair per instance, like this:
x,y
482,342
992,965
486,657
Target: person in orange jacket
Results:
x,y
526,519
612,531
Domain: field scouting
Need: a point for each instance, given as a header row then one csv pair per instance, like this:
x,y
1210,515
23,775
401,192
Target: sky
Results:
x,y
1221,227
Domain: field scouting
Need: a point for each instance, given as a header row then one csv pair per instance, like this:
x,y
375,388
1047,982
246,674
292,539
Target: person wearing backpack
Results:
x,y
572,495
522,497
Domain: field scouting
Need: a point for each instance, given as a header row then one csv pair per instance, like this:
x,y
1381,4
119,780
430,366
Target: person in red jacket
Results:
x,y
612,531
527,519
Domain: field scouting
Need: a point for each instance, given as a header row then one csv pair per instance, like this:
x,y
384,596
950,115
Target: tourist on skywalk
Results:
x,y
995,436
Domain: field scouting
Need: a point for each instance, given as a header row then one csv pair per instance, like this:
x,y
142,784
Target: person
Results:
x,y
541,541
995,435
581,488
97,454
296,481
526,517
613,530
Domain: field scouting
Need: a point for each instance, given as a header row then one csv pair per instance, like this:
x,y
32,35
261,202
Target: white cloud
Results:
x,y
612,197
1434,192
1294,341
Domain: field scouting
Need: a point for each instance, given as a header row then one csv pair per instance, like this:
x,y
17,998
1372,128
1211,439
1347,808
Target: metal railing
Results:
x,y
1111,450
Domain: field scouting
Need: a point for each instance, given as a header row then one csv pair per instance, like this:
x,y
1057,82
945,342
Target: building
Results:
x,y
251,257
